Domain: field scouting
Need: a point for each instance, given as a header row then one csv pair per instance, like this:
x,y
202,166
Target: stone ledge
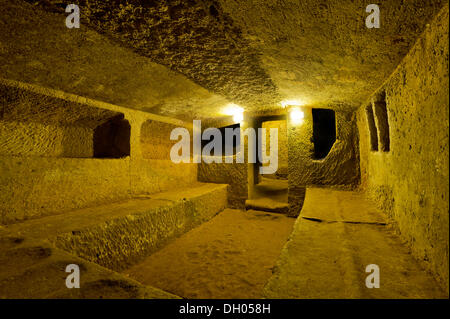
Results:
x,y
35,269
119,234
336,236
267,205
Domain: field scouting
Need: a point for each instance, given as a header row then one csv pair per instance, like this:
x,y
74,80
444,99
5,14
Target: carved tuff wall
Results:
x,y
57,154
409,179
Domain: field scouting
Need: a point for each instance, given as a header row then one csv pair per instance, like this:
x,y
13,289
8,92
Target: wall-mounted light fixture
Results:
x,y
238,117
236,111
296,115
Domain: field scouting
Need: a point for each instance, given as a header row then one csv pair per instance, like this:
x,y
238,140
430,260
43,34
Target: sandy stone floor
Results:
x,y
337,235
247,254
231,256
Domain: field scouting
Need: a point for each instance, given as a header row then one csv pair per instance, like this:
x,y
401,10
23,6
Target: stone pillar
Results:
x,y
300,151
250,122
135,153
135,135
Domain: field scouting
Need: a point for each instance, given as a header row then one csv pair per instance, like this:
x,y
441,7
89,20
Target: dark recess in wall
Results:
x,y
372,128
381,116
324,132
112,138
236,139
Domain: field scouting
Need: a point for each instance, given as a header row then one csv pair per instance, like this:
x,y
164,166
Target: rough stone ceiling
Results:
x,y
258,53
321,52
37,48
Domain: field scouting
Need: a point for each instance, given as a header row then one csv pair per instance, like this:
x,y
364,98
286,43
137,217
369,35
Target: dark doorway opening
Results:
x,y
234,142
324,132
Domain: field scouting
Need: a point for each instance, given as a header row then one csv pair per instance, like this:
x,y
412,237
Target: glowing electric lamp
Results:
x,y
236,111
296,115
238,117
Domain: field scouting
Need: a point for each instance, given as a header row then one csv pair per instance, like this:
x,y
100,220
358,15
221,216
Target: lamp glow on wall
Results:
x,y
296,115
236,111
287,103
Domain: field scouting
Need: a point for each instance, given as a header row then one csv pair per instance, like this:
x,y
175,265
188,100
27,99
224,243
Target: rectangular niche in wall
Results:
x,y
324,132
372,128
233,143
381,117
112,138
38,125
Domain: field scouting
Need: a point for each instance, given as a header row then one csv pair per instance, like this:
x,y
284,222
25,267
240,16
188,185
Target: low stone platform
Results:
x,y
270,195
119,234
35,269
267,205
34,254
338,234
